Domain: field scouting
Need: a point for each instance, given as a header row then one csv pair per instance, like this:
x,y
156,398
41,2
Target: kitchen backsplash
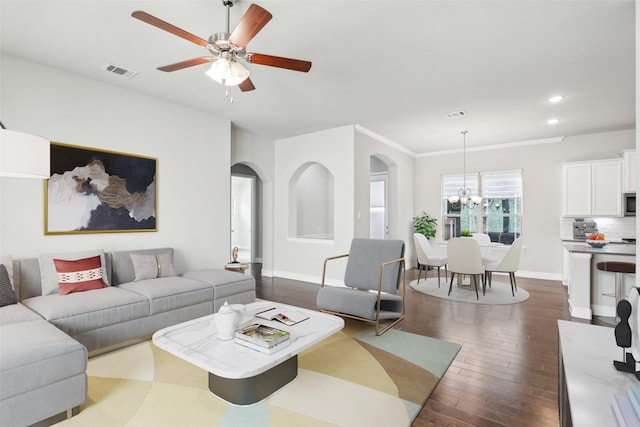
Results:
x,y
612,228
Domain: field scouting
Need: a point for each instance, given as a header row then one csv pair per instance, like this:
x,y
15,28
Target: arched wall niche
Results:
x,y
312,202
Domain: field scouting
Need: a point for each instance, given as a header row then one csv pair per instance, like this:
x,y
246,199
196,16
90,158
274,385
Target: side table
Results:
x,y
236,266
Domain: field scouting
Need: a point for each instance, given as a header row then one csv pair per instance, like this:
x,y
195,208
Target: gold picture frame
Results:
x,y
92,190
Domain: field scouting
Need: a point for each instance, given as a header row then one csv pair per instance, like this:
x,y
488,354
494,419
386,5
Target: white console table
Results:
x,y
587,378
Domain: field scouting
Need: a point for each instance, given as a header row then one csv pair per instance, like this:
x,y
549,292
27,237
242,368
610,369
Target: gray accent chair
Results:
x,y
374,284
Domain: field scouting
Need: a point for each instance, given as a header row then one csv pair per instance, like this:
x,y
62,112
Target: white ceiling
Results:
x,y
393,67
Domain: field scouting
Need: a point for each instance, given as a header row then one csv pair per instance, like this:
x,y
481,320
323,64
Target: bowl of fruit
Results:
x,y
597,241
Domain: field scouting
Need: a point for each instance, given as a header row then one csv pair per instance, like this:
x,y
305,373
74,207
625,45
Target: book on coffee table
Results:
x,y
261,335
287,316
261,349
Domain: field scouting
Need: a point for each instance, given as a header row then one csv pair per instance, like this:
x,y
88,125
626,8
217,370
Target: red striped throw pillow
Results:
x,y
79,275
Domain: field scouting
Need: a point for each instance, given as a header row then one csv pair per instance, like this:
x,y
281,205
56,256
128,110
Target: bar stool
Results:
x,y
619,268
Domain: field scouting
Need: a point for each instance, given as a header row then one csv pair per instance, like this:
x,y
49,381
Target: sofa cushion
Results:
x,y
151,266
34,354
225,283
79,275
358,302
86,311
16,313
7,295
49,275
170,293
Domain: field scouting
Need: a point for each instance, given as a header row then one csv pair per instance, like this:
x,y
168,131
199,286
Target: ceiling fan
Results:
x,y
226,48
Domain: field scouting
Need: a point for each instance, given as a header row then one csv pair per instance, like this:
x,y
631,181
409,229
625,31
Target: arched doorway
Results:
x,y
378,199
246,213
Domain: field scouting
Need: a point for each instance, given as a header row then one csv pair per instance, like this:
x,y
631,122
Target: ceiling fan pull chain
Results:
x,y
229,94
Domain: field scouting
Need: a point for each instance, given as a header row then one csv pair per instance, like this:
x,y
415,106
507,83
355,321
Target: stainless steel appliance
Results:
x,y
630,204
582,229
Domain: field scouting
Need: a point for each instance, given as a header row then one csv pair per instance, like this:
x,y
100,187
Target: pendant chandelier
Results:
x,y
464,196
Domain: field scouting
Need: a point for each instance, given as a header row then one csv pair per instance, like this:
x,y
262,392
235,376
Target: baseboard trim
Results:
x,y
581,313
603,310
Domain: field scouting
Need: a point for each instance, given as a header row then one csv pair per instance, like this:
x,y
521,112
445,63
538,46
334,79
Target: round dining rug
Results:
x,y
499,293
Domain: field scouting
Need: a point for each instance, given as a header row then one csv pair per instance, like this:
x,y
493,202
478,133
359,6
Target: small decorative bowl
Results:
x,y
597,243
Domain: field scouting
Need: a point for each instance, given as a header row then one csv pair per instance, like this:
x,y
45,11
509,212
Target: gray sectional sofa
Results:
x,y
45,339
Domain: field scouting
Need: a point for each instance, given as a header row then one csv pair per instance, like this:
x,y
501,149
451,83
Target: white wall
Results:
x,y
401,168
192,148
258,153
541,166
334,149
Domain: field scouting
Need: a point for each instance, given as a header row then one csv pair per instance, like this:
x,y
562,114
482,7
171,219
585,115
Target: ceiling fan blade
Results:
x,y
250,24
163,25
246,85
278,61
185,64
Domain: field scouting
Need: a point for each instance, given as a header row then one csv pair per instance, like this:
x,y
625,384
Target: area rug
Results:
x,y
499,293
351,379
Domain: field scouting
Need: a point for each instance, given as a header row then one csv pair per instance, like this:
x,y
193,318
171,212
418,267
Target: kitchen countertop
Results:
x,y
607,250
611,242
589,378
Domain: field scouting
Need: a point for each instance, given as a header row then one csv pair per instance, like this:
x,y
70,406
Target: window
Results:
x,y
502,205
457,216
499,215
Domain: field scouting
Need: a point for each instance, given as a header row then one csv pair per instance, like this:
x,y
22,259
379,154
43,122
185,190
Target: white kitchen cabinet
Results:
x,y
629,171
576,189
592,188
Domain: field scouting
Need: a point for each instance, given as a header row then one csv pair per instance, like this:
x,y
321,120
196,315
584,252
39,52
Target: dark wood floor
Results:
x,y
506,373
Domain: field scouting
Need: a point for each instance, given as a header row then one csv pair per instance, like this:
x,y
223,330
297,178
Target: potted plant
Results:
x,y
465,233
425,224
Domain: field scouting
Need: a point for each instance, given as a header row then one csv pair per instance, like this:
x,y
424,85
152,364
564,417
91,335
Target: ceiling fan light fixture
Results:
x,y
219,70
227,72
238,74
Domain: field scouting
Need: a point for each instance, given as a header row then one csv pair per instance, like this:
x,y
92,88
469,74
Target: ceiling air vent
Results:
x,y
455,114
120,71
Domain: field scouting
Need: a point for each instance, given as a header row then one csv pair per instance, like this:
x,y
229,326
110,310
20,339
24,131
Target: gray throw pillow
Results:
x,y
7,295
152,266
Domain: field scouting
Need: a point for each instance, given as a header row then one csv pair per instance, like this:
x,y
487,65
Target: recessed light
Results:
x,y
555,99
553,121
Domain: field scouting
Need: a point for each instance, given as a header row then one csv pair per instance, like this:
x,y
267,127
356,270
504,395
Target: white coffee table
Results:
x,y
239,375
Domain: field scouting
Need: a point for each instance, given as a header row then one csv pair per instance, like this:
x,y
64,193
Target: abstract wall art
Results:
x,y
99,191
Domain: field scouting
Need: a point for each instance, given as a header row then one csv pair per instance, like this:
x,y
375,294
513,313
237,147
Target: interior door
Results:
x,y
378,217
242,211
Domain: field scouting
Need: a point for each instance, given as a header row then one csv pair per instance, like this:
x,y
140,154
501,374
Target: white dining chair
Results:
x,y
464,257
427,257
484,240
508,264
